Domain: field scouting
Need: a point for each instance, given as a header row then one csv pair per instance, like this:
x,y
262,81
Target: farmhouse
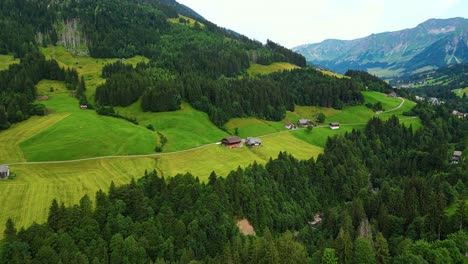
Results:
x,y
4,172
334,125
392,94
253,142
232,142
459,114
456,156
290,125
304,122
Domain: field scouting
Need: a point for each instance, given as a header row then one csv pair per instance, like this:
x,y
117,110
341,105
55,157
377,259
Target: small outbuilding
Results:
x,y
83,107
4,172
456,156
253,142
304,122
290,126
334,125
232,142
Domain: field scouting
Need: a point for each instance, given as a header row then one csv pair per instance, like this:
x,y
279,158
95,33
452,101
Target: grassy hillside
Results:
x,y
84,134
6,61
90,68
185,128
258,69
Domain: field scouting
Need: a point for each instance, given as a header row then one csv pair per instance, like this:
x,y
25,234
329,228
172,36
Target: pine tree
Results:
x,y
363,252
381,249
329,256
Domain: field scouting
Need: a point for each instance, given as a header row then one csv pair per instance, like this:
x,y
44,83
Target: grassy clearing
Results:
x,y
6,61
333,74
190,21
258,69
84,134
90,68
460,92
184,129
50,87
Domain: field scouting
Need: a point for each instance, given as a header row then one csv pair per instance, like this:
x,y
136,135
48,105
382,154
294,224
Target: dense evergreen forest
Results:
x,y
266,97
370,81
381,193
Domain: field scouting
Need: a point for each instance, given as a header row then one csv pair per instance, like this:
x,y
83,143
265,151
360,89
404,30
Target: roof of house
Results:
x,y
253,141
334,124
3,168
303,121
232,139
457,153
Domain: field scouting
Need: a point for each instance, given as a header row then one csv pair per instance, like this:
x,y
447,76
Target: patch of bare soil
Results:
x,y
245,227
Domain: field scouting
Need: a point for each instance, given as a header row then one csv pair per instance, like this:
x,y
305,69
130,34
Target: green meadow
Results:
x,y
258,69
184,129
6,61
89,68
84,134
460,92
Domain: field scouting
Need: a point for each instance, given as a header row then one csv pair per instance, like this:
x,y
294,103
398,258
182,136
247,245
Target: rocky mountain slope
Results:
x,y
432,44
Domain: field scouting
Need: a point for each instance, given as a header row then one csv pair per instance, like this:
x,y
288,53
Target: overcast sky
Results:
x,y
296,22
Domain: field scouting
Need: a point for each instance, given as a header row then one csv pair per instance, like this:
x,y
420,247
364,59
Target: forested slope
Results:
x,y
381,193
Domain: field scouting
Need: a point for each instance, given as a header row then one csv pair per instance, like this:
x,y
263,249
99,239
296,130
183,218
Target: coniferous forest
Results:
x,y
381,194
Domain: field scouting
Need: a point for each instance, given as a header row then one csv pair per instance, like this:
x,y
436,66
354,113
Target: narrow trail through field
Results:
x,y
396,108
190,149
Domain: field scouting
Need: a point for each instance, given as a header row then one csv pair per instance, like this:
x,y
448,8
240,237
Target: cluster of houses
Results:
x,y
4,172
459,114
237,142
307,122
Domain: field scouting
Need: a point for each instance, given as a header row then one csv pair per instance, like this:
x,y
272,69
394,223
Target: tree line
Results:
x,y
267,97
381,194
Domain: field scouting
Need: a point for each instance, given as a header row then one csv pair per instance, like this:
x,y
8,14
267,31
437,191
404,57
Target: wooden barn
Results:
x,y
304,122
232,142
334,125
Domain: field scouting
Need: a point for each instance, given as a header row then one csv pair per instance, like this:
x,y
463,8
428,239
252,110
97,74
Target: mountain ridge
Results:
x,y
392,54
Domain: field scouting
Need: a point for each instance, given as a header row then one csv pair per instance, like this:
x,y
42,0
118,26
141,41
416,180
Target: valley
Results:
x,y
93,150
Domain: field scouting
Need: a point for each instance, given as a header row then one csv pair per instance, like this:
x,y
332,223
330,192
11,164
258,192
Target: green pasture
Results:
x,y
84,134
6,61
184,129
258,69
89,68
50,87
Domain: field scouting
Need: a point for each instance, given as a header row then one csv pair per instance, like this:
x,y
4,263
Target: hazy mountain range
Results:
x,y
432,44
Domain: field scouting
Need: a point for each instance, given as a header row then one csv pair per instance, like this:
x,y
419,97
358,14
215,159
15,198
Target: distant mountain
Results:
x,y
432,44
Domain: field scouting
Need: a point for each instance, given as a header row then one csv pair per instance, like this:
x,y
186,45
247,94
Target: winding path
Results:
x,y
396,108
190,149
